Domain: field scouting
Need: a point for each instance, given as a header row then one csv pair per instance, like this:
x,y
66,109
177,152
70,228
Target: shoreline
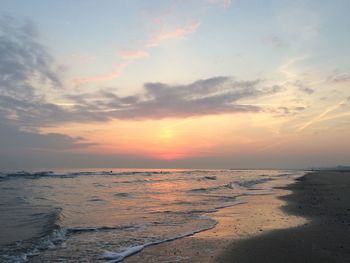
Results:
x,y
260,214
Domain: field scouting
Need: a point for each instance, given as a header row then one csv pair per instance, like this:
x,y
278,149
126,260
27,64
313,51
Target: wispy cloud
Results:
x,y
302,87
178,33
130,55
287,111
275,41
289,68
102,77
133,54
336,116
321,116
339,78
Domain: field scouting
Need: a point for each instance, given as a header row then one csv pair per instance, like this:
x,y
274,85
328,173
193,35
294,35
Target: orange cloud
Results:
x,y
133,54
103,77
178,33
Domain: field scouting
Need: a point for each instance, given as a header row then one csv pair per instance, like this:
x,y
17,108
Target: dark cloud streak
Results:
x,y
217,95
13,138
303,88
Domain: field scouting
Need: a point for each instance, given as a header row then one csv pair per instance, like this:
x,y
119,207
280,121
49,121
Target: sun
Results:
x,y
167,144
166,134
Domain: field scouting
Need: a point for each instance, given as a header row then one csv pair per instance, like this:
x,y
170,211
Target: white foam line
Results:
x,y
239,202
117,257
114,257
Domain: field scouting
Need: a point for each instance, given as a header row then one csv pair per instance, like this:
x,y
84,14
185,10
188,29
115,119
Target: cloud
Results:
x,y
275,41
180,32
322,116
303,88
217,95
306,90
32,114
26,65
102,77
287,111
13,138
24,62
339,78
23,149
132,54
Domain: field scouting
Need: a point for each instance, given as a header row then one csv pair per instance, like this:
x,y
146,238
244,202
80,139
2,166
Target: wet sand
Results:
x,y
323,198
308,221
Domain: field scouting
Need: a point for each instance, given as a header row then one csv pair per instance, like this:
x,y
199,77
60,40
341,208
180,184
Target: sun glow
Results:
x,y
171,139
166,134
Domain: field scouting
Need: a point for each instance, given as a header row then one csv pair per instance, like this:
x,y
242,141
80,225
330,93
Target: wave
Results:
x,y
31,175
212,188
251,183
54,235
39,174
210,177
146,181
34,175
124,195
50,236
96,199
75,230
200,212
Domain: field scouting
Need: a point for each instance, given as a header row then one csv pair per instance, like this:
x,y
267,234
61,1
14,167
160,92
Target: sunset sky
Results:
x,y
174,84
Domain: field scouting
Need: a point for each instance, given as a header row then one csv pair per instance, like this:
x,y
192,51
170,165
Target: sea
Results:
x,y
106,215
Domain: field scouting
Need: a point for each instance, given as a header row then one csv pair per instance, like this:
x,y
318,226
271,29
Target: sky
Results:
x,y
174,84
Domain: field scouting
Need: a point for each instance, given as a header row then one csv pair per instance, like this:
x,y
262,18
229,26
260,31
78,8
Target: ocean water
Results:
x,y
89,216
